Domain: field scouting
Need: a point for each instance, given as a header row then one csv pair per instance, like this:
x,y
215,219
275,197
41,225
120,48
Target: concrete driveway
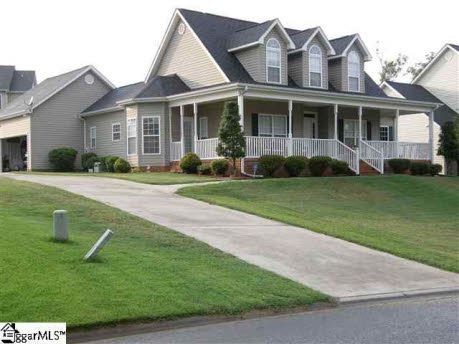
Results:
x,y
338,268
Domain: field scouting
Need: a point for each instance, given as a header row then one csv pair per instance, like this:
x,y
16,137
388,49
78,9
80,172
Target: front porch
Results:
x,y
348,133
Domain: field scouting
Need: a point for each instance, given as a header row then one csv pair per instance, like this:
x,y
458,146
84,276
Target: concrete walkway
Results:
x,y
338,268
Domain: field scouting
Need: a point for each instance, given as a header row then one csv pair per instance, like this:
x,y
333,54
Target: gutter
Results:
x,y
101,111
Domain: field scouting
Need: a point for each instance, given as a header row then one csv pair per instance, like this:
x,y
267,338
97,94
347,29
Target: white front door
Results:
x,y
188,134
309,125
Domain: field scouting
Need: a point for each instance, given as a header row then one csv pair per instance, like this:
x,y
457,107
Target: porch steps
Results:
x,y
367,170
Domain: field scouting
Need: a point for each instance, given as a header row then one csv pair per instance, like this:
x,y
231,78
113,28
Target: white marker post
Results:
x,y
60,225
92,253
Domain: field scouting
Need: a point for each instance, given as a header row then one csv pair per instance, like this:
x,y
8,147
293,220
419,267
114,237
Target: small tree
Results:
x,y
449,146
231,139
417,68
390,69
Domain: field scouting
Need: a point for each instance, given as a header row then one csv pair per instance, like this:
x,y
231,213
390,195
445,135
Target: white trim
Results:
x,y
325,41
321,66
159,135
427,67
244,46
379,133
166,38
279,50
93,137
113,125
128,137
354,53
367,55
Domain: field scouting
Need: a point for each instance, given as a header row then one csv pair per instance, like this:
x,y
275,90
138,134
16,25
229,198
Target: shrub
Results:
x,y
295,165
63,159
339,167
435,169
91,161
220,167
122,166
269,164
84,159
205,169
319,164
190,162
419,168
399,165
110,163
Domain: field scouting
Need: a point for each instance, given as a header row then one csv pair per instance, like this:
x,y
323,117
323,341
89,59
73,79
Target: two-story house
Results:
x,y
437,82
299,93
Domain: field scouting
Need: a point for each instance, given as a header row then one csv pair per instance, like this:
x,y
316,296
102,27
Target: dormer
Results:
x,y
308,63
262,50
347,66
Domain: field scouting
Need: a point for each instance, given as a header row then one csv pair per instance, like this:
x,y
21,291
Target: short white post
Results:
x,y
92,253
195,115
397,114
290,134
182,134
60,225
360,125
335,113
431,135
240,105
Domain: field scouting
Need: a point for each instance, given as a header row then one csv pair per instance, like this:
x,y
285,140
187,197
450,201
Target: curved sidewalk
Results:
x,y
341,269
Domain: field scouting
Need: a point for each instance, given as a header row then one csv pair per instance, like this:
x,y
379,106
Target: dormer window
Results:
x,y
353,70
273,61
315,66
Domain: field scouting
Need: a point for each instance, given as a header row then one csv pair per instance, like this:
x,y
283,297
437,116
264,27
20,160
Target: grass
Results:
x,y
156,178
412,217
146,272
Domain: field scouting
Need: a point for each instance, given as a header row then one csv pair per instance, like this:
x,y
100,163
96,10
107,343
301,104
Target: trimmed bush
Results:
x,y
205,169
63,159
220,167
399,165
295,165
91,161
419,168
319,164
269,164
190,162
435,169
110,163
339,167
84,160
122,166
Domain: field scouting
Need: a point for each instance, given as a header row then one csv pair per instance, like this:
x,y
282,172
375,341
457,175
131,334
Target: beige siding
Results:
x,y
186,57
315,41
251,60
105,146
295,67
19,126
335,73
56,123
442,79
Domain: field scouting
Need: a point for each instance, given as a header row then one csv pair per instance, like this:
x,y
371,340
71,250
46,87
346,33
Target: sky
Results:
x,y
120,38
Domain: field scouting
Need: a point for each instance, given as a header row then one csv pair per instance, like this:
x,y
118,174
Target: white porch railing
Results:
x,y
314,147
387,148
347,154
371,156
207,148
257,146
176,150
414,150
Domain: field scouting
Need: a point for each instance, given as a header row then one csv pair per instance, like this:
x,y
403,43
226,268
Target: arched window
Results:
x,y
273,61
353,72
315,66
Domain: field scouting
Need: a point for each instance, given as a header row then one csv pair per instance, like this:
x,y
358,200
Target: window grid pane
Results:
x,y
116,132
150,135
203,128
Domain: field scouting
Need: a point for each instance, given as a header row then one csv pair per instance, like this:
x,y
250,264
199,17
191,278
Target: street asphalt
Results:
x,y
415,320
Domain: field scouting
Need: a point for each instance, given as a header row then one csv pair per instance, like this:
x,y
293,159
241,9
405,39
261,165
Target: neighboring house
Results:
x,y
14,82
298,92
47,117
438,82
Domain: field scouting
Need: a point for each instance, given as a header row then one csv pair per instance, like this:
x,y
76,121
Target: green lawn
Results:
x,y
412,217
145,272
158,178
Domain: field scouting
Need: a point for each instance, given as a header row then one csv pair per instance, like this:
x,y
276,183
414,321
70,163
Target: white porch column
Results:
x,y
335,113
360,124
397,114
431,135
290,134
240,105
195,114
182,134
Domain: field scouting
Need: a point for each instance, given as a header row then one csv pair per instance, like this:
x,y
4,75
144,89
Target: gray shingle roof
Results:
x,y
13,80
301,37
40,92
248,35
341,43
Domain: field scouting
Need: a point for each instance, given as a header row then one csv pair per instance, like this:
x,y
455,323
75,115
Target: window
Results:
x,y
272,125
150,135
116,132
203,128
273,61
386,133
315,66
351,131
92,137
131,136
353,70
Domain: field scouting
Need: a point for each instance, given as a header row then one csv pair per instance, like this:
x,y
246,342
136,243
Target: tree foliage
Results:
x,y
449,141
231,139
417,68
391,69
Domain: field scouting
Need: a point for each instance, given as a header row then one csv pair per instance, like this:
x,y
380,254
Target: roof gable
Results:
x,y
452,47
343,44
6,76
12,80
303,38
